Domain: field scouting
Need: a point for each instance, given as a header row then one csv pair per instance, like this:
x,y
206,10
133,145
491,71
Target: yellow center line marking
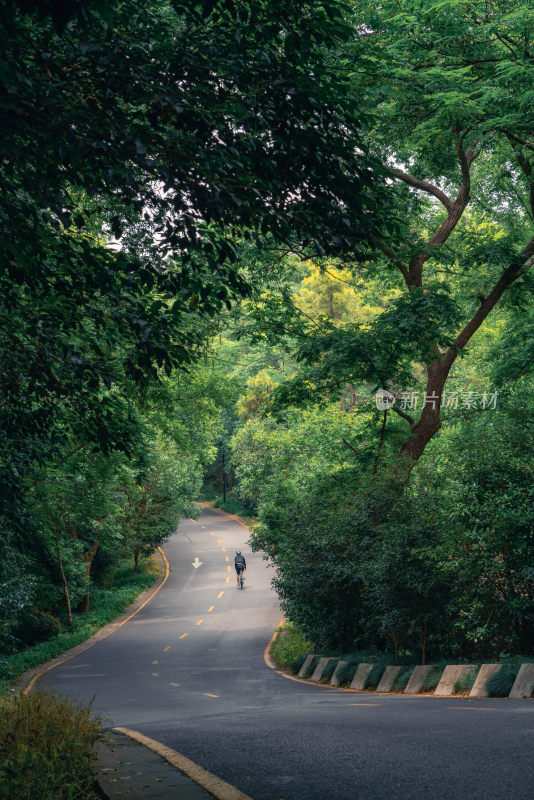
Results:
x,y
210,695
183,635
219,541
229,569
363,704
211,533
224,549
155,662
199,622
174,684
166,648
226,557
471,708
192,520
220,595
155,674
210,609
202,526
228,579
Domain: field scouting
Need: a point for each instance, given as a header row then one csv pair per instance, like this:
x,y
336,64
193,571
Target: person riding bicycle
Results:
x,y
240,564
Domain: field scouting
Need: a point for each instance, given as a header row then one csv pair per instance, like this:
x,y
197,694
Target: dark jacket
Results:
x,y
239,561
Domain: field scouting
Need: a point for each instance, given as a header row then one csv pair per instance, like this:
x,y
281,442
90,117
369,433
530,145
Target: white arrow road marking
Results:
x,y
197,563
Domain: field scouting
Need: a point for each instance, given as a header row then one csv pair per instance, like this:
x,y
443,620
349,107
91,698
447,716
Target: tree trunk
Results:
x,y
136,558
88,561
65,584
224,476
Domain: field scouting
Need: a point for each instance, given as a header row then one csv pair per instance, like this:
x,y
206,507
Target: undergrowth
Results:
x,y
46,747
289,645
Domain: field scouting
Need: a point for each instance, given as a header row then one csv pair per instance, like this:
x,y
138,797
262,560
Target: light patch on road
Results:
x,y
220,595
166,648
183,635
210,695
199,622
210,609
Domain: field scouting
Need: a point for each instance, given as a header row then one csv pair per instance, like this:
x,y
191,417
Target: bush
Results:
x,y
329,670
432,678
46,748
289,644
297,663
346,673
311,667
401,681
464,684
500,684
37,626
375,675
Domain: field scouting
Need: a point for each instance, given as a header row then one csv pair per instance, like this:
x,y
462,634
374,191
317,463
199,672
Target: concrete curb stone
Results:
x,y
360,676
335,677
452,674
484,674
417,679
320,668
388,678
524,683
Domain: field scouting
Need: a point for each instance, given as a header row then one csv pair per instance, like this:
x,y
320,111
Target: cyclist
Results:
x,y
240,564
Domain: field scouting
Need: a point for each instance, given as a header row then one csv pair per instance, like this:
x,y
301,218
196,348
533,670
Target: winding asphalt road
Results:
x,y
188,671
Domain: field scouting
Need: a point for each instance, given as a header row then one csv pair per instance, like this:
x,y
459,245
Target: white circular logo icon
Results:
x,y
384,400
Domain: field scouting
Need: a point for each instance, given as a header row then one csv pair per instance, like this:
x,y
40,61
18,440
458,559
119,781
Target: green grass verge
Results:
x,y
46,747
106,605
288,646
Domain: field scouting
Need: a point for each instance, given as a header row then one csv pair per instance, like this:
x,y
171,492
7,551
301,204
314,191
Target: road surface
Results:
x,y
188,671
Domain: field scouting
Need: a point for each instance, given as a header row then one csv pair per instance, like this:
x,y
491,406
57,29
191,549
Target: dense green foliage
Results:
x,y
225,225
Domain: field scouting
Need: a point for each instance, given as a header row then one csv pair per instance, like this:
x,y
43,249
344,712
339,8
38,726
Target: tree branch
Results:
x,y
425,186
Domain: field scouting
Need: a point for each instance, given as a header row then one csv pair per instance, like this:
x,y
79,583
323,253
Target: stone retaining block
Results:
x,y
335,677
320,668
307,661
524,683
480,686
388,679
451,674
361,675
418,678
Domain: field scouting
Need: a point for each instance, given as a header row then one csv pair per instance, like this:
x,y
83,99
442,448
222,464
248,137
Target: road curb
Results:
x,y
28,679
210,782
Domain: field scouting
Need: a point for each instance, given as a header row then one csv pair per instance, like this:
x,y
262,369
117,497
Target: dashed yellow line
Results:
x,y
228,580
202,526
155,662
183,635
206,694
211,533
210,609
224,549
220,595
219,541
155,674
174,684
199,622
229,569
363,704
166,648
227,558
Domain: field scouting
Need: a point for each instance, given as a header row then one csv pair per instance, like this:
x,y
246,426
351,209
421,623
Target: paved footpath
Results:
x,y
188,672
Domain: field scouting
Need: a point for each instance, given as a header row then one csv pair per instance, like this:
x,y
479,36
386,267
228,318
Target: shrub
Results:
x,y
375,675
346,673
37,626
329,670
432,678
464,684
297,663
289,644
500,684
311,667
46,748
401,681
